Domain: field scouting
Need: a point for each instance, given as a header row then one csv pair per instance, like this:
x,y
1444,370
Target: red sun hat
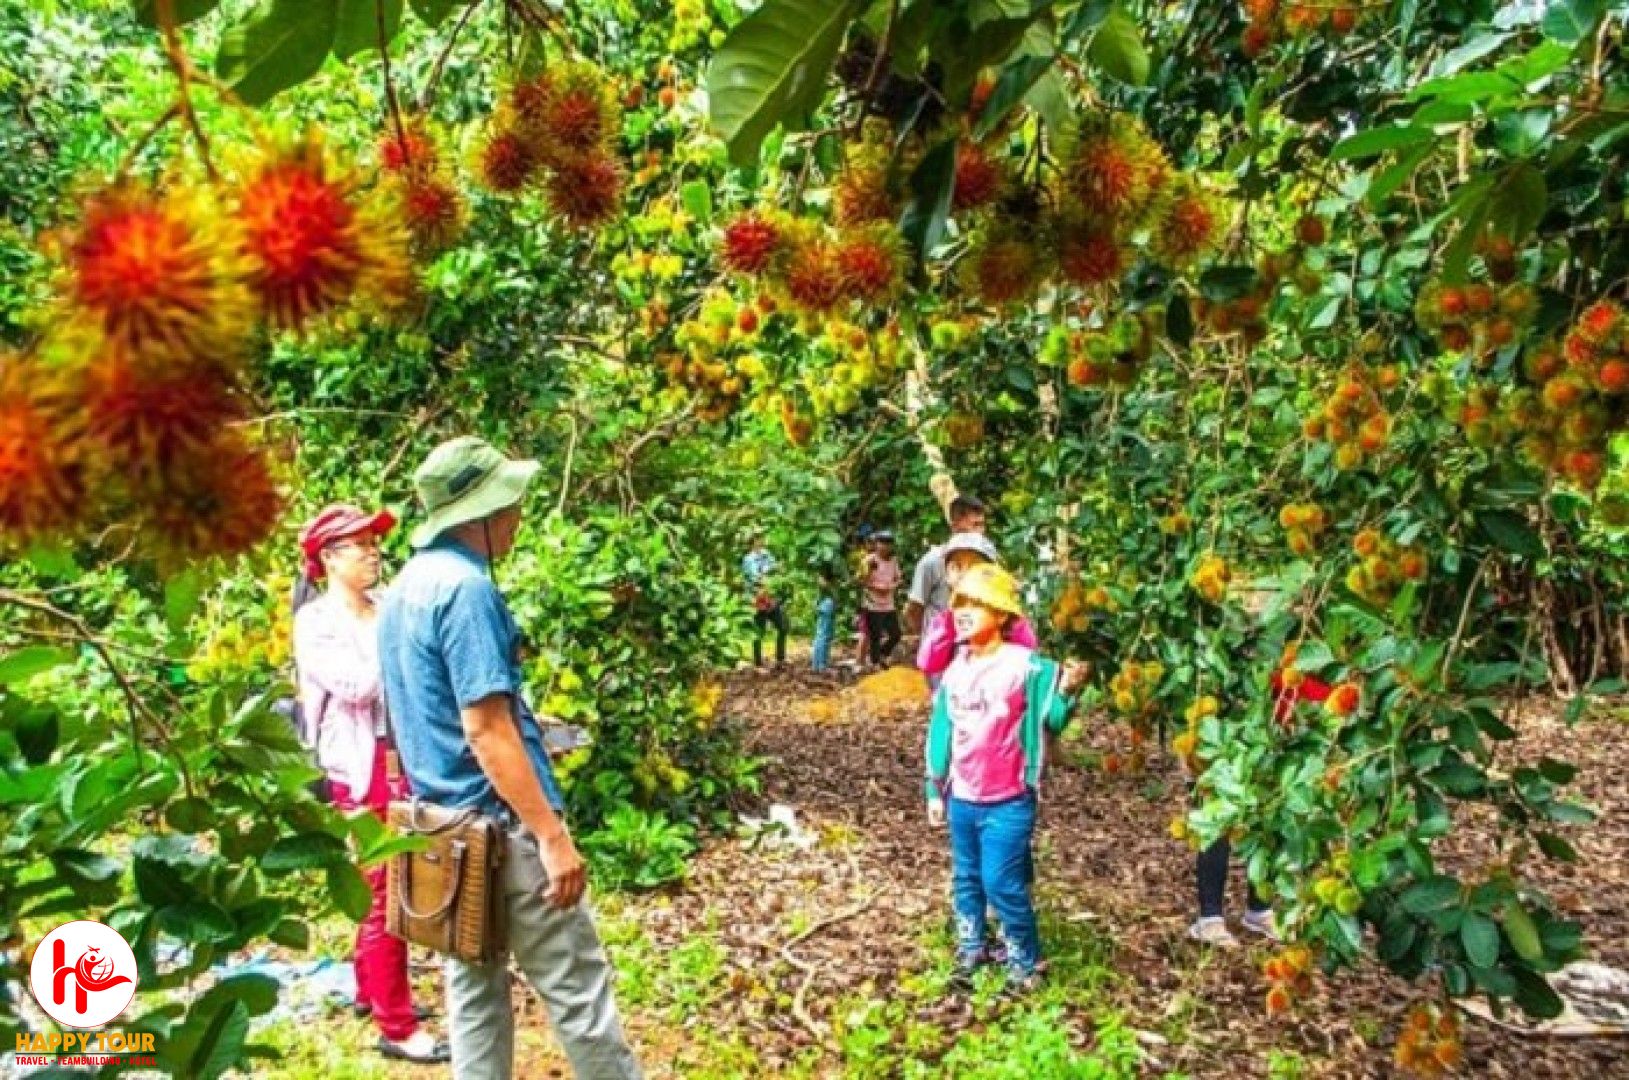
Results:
x,y
336,522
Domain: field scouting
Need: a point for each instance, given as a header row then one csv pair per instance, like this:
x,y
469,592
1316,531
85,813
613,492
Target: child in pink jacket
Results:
x,y
938,645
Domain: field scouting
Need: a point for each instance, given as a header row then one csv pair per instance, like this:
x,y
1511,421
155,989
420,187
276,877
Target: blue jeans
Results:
x,y
991,865
825,627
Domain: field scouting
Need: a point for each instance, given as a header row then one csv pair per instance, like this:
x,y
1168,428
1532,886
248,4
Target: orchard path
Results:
x,y
799,936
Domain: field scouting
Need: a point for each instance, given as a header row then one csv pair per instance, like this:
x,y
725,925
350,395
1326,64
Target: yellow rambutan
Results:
x,y
431,208
1190,226
1117,172
42,486
1002,269
860,194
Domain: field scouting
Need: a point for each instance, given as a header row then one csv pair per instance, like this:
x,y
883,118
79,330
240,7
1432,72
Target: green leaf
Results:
x,y
25,663
181,595
1555,847
1387,182
1117,49
291,934
1052,102
1535,995
1557,772
1016,80
257,992
1375,141
1432,894
697,199
307,851
1568,813
221,1045
1511,532
350,890
1570,21
1517,204
185,11
932,185
282,48
1522,933
197,922
1481,939
432,12
1179,320
356,26
772,70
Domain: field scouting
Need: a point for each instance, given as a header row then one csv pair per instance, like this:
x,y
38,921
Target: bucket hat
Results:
x,y
991,586
977,543
466,479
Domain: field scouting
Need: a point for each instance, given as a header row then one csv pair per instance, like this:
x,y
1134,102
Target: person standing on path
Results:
x,y
825,625
449,654
879,584
336,657
930,587
758,567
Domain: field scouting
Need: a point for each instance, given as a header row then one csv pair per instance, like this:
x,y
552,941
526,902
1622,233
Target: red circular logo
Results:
x,y
84,974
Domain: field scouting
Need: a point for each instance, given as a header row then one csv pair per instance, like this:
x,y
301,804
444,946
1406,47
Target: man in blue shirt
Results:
x,y
758,567
449,658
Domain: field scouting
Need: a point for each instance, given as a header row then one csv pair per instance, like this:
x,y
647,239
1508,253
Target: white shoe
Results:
x,y
1213,931
1263,923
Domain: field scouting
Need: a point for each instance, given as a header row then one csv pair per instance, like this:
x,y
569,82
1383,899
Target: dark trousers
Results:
x,y
1211,870
776,617
882,632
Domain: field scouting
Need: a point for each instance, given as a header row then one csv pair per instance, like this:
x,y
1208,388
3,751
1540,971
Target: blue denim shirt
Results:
x,y
825,617
447,640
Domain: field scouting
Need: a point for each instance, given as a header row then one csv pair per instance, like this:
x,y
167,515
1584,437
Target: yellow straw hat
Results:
x,y
991,586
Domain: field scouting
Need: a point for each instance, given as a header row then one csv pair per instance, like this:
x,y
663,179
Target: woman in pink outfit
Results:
x,y
337,657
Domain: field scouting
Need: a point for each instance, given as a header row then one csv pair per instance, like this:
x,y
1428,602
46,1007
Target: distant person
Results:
x,y
449,651
758,567
878,588
930,589
993,716
336,658
825,624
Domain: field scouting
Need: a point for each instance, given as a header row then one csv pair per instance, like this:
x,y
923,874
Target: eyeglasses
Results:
x,y
359,543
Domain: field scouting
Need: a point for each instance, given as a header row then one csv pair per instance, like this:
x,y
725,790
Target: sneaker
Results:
x,y
1213,931
963,970
1021,983
419,1048
1262,923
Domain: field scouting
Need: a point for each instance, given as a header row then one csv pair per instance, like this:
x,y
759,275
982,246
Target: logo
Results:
x,y
83,974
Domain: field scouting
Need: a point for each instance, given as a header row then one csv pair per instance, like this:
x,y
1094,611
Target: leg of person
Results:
x,y
561,956
1258,915
891,632
779,614
1210,874
873,635
820,653
382,955
345,802
1008,869
480,1019
966,884
758,623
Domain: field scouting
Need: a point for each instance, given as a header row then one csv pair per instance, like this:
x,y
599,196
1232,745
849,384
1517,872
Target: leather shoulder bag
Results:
x,y
447,897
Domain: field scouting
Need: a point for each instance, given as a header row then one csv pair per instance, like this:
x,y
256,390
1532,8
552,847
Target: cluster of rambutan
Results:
x,y
1246,314
964,429
718,364
1072,610
1334,889
428,201
1211,577
1383,566
1176,523
1289,976
814,270
558,131
798,425
128,413
1110,356
1477,318
1354,416
1185,745
1132,689
853,359
1303,524
1271,20
1429,1043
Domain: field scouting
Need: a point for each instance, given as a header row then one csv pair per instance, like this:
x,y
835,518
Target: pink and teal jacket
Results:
x,y
938,645
986,737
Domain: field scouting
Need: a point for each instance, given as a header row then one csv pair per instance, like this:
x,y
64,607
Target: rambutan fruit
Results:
x,y
1613,377
1411,565
1542,363
408,149
1090,254
1343,19
979,179
143,416
1498,332
979,97
506,162
1499,256
1003,269
1451,302
574,114
42,483
860,194
1518,301
1455,338
1583,467
157,273
1366,542
1303,19
1344,700
431,208
307,243
1598,322
870,262
1480,299
1562,393
1190,226
586,191
1278,1001
812,278
750,242
1117,172
1579,351
221,501
1310,230
1256,39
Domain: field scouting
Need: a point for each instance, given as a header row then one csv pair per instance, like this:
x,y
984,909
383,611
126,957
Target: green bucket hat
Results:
x,y
465,479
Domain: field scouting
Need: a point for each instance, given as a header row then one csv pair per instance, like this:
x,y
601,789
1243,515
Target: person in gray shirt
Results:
x,y
930,590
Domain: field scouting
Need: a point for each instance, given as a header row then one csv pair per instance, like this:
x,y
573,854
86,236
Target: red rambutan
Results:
x,y
145,417
1190,227
1117,171
507,162
41,476
1002,270
1598,322
869,262
813,279
979,179
1090,255
221,501
407,149
1256,39
432,209
575,114
587,192
153,273
860,194
750,242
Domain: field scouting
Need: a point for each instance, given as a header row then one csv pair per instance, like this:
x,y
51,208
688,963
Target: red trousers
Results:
x,y
380,959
